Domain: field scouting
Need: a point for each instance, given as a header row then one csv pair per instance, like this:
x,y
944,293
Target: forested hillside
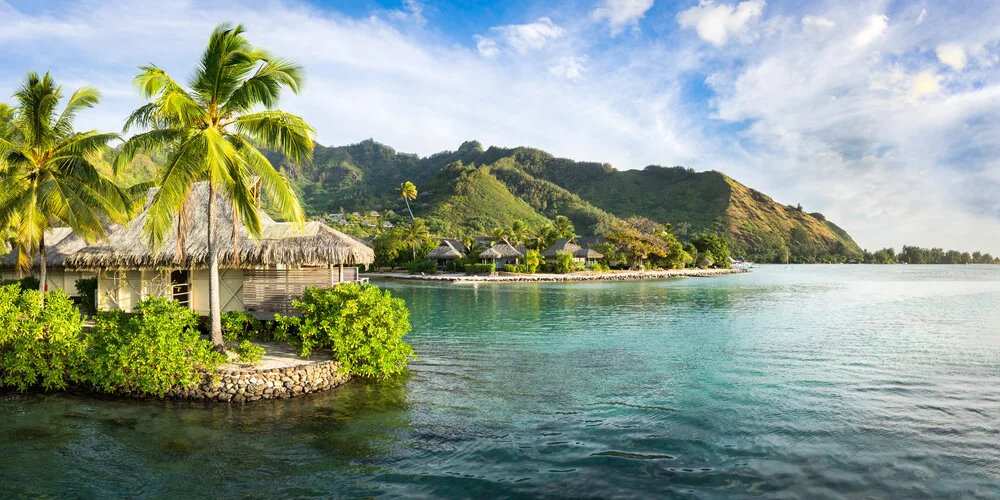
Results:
x,y
472,190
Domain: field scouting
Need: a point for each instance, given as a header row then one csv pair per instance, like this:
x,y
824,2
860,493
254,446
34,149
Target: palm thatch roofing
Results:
x,y
309,244
60,242
502,250
587,253
561,245
445,251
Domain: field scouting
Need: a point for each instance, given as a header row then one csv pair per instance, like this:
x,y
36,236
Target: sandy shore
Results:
x,y
552,278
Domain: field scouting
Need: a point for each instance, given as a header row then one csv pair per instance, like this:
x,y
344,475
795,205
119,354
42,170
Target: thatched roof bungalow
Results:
x,y
444,253
60,243
501,254
562,245
261,275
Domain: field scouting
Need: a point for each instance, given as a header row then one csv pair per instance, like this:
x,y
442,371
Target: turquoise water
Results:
x,y
797,382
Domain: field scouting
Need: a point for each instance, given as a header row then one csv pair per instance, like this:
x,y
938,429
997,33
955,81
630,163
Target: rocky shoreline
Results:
x,y
556,278
250,384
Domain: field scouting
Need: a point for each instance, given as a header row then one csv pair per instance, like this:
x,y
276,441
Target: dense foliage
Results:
x,y
362,324
148,352
26,283
472,269
39,346
238,325
249,353
917,255
88,294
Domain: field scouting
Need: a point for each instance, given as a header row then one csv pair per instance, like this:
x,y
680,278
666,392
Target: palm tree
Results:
x,y
416,234
408,191
544,238
498,235
211,132
518,232
563,228
47,171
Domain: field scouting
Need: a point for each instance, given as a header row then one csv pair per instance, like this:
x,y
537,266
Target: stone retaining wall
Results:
x,y
248,384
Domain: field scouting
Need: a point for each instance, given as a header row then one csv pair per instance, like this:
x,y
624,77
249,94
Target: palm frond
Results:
x,y
154,141
278,190
278,131
84,97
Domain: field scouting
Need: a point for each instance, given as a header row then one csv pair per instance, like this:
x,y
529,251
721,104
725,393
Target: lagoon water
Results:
x,y
789,382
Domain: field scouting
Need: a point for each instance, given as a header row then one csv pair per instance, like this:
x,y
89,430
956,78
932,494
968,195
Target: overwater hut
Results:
x,y
444,254
60,243
501,254
258,275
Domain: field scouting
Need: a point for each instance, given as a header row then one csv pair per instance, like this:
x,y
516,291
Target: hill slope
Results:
x,y
495,186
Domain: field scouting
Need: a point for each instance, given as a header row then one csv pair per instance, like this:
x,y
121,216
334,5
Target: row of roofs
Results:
x,y
503,251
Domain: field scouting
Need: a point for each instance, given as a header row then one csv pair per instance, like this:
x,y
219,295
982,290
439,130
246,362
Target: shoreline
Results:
x,y
559,278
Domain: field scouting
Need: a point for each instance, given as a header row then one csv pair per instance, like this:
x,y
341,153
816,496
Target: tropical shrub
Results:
x,y
26,283
515,268
362,324
532,259
422,266
239,324
565,263
88,294
39,346
249,352
149,352
471,269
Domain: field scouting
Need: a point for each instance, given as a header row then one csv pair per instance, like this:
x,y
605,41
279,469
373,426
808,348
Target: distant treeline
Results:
x,y
917,255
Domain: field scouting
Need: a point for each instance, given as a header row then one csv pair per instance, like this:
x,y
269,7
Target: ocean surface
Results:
x,y
789,382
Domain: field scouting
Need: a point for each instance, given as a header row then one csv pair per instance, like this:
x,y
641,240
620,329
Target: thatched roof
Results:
x,y
502,250
60,242
445,251
561,245
311,244
586,253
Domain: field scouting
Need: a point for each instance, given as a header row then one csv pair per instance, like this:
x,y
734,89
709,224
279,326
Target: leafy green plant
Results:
x,y
362,324
565,263
88,294
471,269
26,283
149,352
532,260
422,266
239,324
39,346
249,352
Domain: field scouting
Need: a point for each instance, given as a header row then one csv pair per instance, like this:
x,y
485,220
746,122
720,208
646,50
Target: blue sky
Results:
x,y
882,115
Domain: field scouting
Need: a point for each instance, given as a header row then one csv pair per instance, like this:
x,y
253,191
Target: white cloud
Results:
x,y
523,38
487,47
413,12
716,23
570,67
926,83
952,54
875,26
621,13
815,24
920,18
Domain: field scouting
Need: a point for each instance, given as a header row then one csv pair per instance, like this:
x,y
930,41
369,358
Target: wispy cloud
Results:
x,y
717,23
620,14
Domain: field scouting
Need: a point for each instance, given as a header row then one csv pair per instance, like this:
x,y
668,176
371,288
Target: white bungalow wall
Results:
x,y
56,279
230,290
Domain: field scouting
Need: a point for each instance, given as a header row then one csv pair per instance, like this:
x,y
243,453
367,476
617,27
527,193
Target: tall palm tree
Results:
x,y
499,234
408,191
563,228
47,170
416,234
518,232
211,132
544,238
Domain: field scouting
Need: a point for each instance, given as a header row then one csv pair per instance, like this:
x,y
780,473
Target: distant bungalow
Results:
x,y
503,253
567,245
259,275
446,252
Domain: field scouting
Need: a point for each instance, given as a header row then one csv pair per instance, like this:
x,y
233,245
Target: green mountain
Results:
x,y
471,191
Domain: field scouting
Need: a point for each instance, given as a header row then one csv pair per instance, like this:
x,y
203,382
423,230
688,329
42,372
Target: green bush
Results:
x,y
519,268
26,283
362,324
39,346
422,266
599,267
88,294
532,260
565,263
249,352
149,352
471,269
239,324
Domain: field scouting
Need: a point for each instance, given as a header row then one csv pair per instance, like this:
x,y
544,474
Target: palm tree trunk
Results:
x,y
408,208
214,307
413,247
42,271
